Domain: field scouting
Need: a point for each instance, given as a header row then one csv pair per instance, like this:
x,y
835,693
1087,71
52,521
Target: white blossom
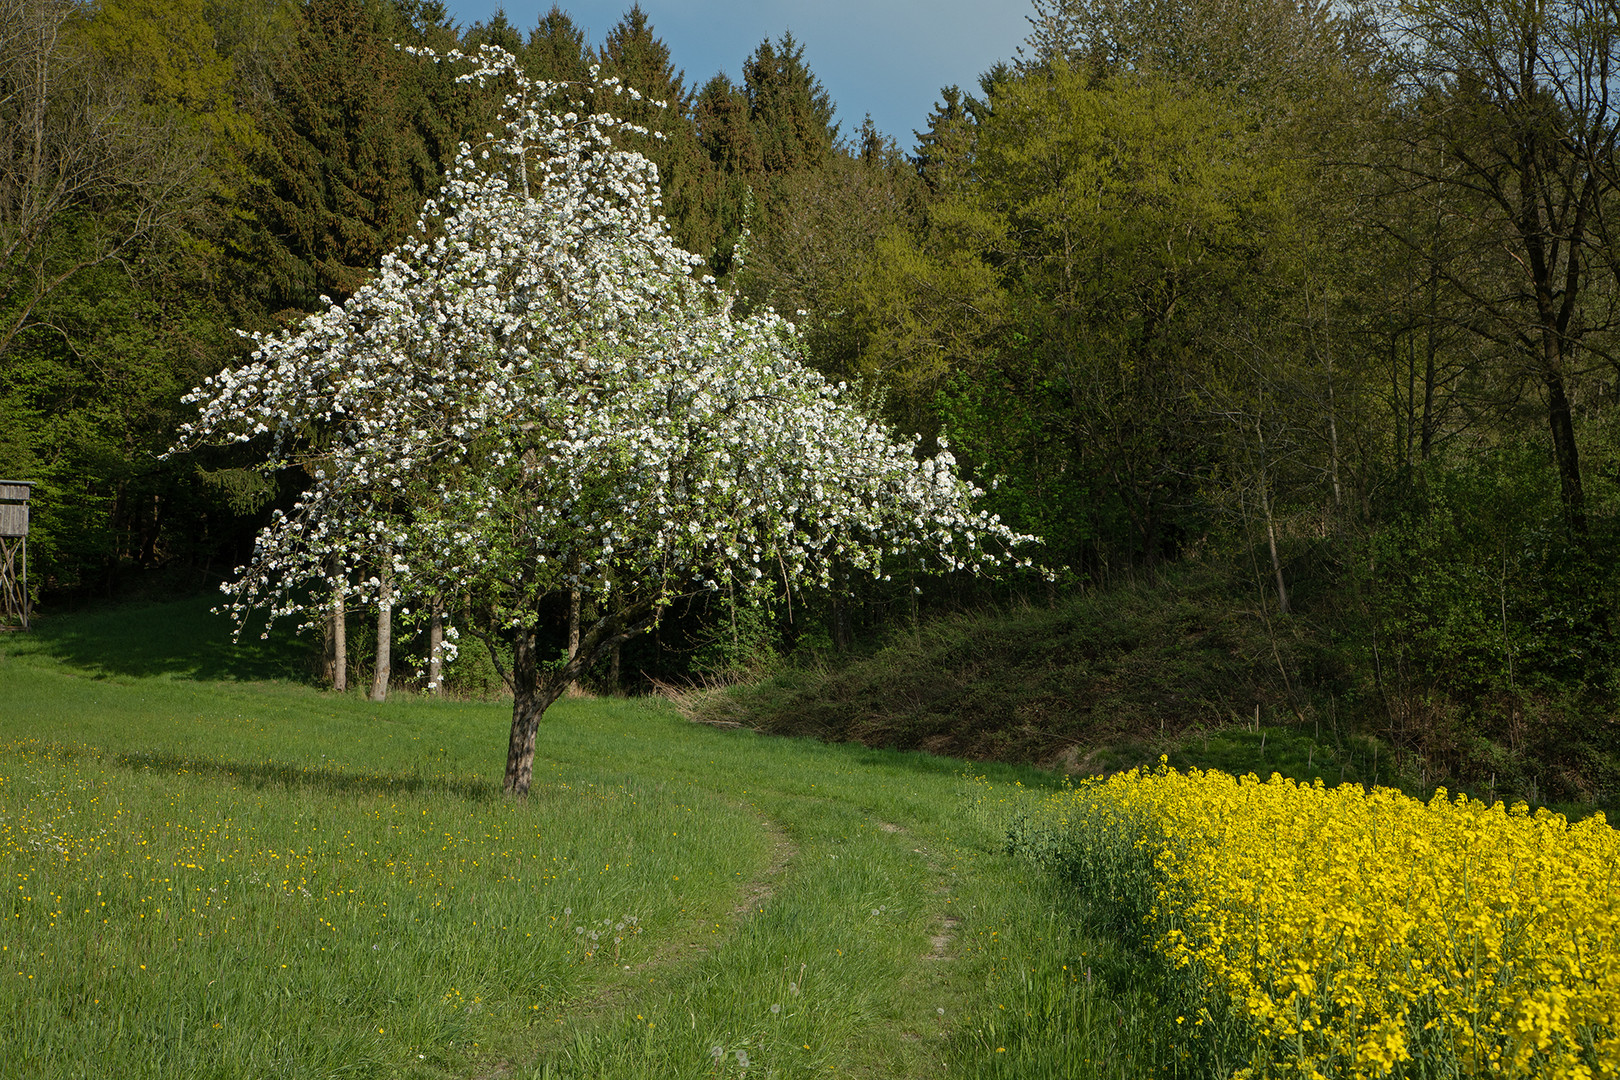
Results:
x,y
537,391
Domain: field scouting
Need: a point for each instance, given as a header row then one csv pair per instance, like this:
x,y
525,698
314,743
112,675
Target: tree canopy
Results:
x,y
542,393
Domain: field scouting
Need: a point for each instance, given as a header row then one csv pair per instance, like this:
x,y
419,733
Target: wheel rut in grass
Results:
x,y
940,942
763,887
587,1011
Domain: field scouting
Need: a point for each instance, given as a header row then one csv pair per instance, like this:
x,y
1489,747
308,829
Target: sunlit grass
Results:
x,y
319,886
257,929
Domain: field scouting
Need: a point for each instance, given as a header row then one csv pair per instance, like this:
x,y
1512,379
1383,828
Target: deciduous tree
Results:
x,y
540,394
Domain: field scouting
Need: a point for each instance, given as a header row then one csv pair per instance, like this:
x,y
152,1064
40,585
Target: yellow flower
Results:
x,y
1342,923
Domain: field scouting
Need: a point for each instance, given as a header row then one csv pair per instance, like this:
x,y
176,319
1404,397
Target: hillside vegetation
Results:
x,y
1111,678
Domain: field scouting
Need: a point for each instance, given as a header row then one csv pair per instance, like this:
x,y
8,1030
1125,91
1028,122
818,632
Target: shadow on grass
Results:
x,y
179,638
327,779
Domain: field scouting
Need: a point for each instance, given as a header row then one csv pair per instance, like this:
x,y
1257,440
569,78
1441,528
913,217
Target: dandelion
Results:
x,y
742,1058
776,1009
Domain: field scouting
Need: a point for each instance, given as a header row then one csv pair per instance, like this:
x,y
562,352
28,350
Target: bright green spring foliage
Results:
x,y
1348,932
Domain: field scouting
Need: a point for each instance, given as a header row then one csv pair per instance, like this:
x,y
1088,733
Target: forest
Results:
x,y
1299,318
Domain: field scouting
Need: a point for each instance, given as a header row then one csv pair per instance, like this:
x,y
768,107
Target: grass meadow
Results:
x,y
213,870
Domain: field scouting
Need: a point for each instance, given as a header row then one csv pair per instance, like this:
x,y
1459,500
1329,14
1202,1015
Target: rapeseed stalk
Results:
x,y
1352,933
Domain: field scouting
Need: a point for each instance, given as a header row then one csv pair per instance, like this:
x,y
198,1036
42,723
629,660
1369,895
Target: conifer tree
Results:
x,y
945,150
345,165
557,49
724,130
497,32
727,138
791,113
639,59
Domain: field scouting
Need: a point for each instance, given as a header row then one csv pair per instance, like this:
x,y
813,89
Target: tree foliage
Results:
x,y
542,395
1324,295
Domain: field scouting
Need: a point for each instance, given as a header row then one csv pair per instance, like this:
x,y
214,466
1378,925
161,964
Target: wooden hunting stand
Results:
x,y
14,552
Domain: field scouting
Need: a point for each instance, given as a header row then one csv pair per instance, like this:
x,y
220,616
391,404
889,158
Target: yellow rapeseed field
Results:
x,y
1368,934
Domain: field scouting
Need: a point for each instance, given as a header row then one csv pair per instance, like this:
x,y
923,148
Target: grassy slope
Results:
x,y
251,840
1094,683
1098,682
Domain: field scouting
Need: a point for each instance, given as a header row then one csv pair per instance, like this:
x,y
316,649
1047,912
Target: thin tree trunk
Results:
x,y
1333,444
1325,350
338,641
1565,451
573,629
385,633
1426,440
1271,525
1411,401
1395,396
1276,563
436,647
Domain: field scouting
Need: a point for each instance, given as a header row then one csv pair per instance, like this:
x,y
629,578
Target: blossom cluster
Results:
x,y
1360,933
540,390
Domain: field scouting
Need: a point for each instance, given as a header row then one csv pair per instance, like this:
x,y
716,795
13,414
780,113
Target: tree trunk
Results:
x,y
1430,348
1333,445
1566,452
1276,563
436,648
531,696
1271,525
573,627
533,690
337,643
385,635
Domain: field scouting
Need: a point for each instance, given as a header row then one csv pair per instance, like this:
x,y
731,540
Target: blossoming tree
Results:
x,y
541,394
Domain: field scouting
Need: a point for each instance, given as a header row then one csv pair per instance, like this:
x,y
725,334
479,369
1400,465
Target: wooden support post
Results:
x,y
14,599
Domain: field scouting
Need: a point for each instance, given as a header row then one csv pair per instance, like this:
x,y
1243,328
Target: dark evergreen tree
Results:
x,y
498,31
944,156
792,115
352,147
735,167
557,49
636,56
724,130
443,111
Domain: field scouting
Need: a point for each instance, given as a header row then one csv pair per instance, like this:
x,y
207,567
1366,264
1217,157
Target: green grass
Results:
x,y
1094,682
213,873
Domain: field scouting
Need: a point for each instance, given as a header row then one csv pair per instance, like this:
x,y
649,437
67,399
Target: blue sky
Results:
x,y
884,57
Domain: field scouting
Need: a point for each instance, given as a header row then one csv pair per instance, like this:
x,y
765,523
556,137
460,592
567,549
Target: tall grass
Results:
x,y
211,873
